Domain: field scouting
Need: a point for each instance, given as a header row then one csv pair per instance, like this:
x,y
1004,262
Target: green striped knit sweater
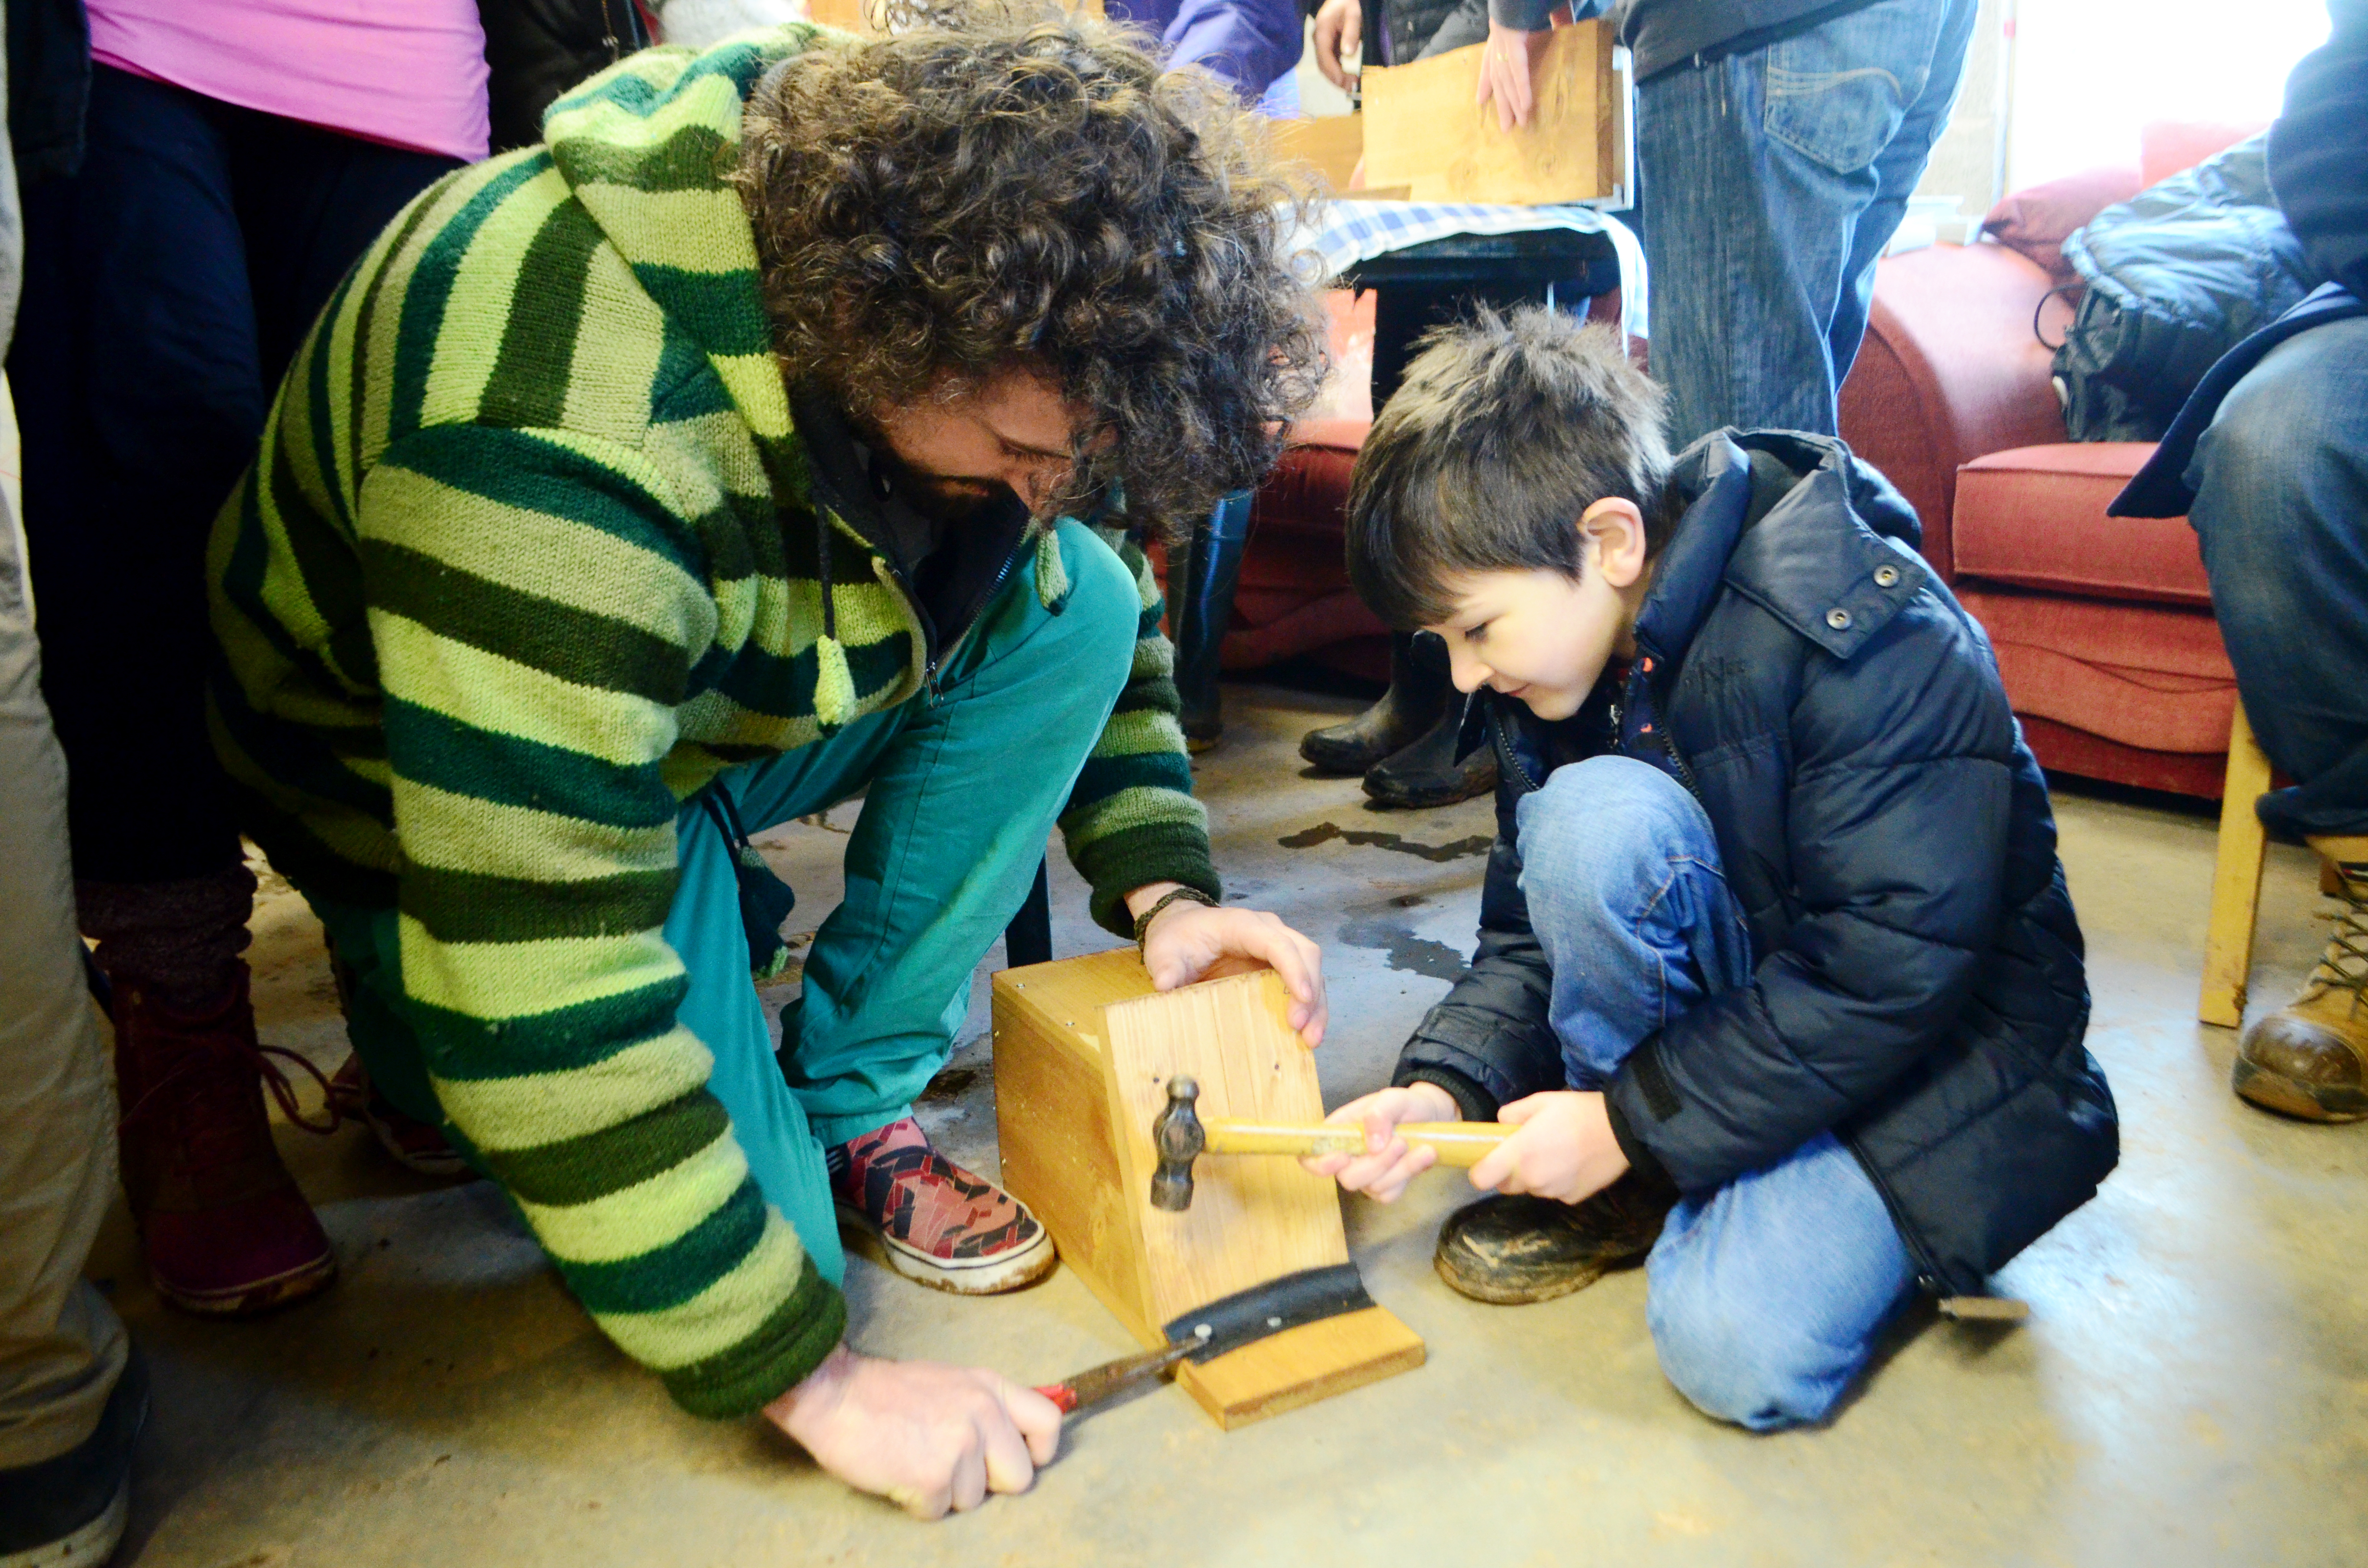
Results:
x,y
526,559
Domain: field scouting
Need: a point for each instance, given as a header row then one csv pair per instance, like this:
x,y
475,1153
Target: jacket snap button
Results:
x,y
1887,576
1838,619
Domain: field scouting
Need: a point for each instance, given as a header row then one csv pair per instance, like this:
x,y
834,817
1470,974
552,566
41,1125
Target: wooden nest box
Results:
x,y
1082,1051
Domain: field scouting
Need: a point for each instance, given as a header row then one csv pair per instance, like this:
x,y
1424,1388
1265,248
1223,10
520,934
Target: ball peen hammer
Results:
x,y
1179,1137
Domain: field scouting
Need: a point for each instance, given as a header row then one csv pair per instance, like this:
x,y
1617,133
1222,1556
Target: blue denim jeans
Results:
x,y
2281,480
1764,1297
1771,182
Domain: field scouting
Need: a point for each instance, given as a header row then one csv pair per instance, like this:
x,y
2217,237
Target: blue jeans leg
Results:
x,y
1765,1295
1620,868
2281,508
1771,181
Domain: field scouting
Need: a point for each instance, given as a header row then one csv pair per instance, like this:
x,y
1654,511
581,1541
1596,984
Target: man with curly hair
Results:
x,y
717,460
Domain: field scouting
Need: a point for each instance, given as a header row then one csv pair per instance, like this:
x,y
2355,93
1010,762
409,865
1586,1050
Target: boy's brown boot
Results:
x,y
2310,1057
1508,1250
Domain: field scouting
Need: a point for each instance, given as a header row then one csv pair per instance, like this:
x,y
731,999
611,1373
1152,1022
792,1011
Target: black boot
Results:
x,y
1427,774
1201,580
1416,696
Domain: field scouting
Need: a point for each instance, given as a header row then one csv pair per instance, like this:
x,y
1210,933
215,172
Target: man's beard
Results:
x,y
947,500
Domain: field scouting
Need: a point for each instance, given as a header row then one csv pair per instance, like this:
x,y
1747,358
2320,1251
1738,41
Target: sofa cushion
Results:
x,y
2034,516
2153,677
2034,221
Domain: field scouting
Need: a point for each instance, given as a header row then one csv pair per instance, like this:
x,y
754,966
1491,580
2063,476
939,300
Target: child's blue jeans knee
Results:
x,y
1765,1296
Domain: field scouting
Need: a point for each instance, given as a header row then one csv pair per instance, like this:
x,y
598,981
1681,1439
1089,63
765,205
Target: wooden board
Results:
x,y
1424,130
1331,145
1082,1051
2236,881
1302,1365
1251,1220
1053,1117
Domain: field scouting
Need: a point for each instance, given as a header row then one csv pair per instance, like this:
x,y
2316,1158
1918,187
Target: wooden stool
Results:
x,y
2236,879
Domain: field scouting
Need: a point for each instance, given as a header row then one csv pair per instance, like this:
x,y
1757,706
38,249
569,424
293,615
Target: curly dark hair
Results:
x,y
995,188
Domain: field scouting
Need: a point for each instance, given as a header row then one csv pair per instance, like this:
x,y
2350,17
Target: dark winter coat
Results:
x,y
535,50
2175,277
1917,987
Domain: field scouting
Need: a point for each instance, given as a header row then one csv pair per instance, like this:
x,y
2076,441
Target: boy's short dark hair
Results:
x,y
1506,427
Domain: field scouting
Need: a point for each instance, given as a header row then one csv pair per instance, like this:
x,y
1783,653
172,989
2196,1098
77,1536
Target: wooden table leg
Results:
x,y
2236,879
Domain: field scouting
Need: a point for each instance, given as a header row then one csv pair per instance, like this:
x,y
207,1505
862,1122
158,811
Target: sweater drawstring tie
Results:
x,y
834,682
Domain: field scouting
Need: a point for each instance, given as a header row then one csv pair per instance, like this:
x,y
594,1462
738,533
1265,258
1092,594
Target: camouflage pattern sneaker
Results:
x,y
931,1220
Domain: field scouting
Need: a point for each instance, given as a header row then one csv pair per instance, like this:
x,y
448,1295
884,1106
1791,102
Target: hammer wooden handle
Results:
x,y
1458,1143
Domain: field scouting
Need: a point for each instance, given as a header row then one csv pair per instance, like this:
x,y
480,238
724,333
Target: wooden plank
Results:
x,y
2236,879
1053,1119
1331,144
1302,1365
1424,130
1251,1220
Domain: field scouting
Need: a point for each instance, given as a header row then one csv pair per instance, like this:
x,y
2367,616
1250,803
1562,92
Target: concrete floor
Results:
x,y
2191,1388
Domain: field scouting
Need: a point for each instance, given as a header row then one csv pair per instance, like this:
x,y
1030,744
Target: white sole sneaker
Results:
x,y
1011,1271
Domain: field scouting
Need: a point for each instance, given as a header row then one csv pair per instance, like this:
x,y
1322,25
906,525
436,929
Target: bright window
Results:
x,y
2088,74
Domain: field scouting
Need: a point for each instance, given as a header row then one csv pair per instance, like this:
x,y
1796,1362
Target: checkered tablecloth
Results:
x,y
1348,231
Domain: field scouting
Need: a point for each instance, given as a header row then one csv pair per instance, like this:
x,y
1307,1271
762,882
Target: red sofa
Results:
x,y
2102,625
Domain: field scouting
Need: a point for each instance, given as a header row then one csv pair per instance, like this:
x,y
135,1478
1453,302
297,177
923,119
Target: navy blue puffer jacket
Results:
x,y
1917,984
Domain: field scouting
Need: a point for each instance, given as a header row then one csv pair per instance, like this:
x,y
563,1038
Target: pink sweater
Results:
x,y
408,73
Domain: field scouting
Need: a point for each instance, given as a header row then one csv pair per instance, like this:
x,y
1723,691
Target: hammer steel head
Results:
x,y
1176,1138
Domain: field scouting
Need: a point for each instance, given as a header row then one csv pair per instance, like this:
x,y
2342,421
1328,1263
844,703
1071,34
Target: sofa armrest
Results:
x,y
1951,371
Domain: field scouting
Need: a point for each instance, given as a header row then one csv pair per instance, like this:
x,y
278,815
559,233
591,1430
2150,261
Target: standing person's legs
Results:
x,y
140,397
309,202
2280,511
1898,169
1754,170
2281,508
1764,1296
67,1411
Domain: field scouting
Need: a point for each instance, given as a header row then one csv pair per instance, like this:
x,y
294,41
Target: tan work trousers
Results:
x,y
62,1347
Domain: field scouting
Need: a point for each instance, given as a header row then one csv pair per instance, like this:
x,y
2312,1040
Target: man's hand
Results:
x,y
1507,63
1382,1172
927,1436
1340,27
1564,1148
1189,941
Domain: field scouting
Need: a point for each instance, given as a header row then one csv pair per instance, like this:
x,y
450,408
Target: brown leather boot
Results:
x,y
226,1230
2310,1057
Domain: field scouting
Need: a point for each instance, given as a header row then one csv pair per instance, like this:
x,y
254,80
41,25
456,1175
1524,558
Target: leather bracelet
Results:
x,y
1190,894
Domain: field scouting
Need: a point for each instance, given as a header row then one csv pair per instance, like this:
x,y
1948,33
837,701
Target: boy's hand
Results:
x,y
1564,1150
927,1436
1382,1172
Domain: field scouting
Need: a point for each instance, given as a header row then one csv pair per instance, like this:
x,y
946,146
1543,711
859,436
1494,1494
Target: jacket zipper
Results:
x,y
931,666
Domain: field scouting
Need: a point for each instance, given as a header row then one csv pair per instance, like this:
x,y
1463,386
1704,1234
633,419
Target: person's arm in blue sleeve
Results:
x,y
2318,149
1243,43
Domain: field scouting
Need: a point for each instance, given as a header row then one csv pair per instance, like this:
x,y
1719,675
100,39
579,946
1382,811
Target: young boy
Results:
x,y
1774,942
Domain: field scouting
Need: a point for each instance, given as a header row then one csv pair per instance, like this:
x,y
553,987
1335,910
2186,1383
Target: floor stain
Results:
x,y
1438,853
1402,950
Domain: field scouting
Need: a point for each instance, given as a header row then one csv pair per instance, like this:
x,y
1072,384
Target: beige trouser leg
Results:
x,y
61,1347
